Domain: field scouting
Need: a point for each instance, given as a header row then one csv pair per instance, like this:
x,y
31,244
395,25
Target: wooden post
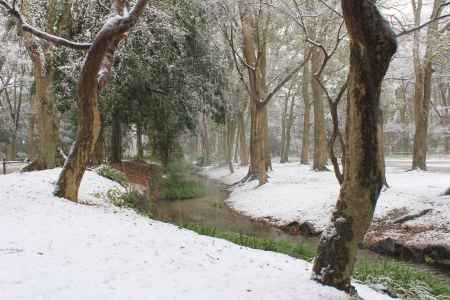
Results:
x,y
4,166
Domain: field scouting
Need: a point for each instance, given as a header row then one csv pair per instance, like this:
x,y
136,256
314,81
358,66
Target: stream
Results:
x,y
211,210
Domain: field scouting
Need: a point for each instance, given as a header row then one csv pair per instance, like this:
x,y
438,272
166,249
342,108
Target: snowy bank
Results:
x,y
296,194
51,248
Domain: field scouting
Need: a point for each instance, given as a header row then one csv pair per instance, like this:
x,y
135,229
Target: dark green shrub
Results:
x,y
113,174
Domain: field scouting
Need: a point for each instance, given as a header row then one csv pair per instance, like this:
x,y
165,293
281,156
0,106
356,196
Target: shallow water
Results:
x,y
211,210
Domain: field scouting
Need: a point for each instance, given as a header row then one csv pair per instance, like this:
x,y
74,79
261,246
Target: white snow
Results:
x,y
51,248
296,193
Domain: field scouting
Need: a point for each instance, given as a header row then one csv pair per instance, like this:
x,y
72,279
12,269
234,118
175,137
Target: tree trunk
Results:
x,y
444,92
320,137
404,137
256,74
99,152
257,168
229,142
243,150
290,123
372,44
43,59
30,129
139,145
12,148
48,128
204,137
116,139
422,92
94,76
267,145
283,130
304,157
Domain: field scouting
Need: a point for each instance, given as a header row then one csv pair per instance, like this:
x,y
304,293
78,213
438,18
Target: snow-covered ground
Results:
x,y
51,248
295,193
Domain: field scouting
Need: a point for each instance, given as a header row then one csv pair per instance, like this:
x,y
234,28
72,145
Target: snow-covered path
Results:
x,y
51,248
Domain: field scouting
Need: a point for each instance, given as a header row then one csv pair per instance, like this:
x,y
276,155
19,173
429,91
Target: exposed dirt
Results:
x,y
395,235
137,172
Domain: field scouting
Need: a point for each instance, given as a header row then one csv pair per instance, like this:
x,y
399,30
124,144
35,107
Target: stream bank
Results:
x,y
212,210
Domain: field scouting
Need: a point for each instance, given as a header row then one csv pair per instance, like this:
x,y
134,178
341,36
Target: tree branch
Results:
x,y
285,80
405,32
55,40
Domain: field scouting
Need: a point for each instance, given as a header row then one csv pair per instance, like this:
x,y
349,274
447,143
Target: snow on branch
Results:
x,y
56,40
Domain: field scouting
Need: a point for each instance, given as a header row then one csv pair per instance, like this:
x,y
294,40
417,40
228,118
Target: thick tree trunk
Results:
x,y
48,128
99,153
43,59
267,145
320,137
372,44
421,112
256,74
94,76
304,156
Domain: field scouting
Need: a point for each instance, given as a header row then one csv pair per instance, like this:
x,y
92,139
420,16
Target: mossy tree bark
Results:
x,y
43,59
372,45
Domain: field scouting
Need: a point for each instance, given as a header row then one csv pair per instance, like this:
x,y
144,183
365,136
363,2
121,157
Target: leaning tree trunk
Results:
x,y
94,75
372,44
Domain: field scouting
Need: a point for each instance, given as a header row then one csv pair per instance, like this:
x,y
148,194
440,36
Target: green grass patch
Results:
x,y
292,249
131,199
113,174
181,183
402,280
399,279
